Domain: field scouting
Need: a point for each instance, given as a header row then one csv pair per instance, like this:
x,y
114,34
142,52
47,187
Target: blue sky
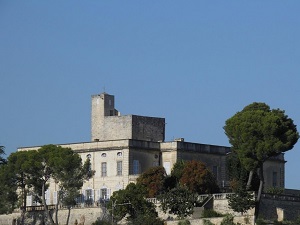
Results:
x,y
196,63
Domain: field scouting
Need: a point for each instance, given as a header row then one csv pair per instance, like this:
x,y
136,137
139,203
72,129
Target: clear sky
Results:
x,y
195,63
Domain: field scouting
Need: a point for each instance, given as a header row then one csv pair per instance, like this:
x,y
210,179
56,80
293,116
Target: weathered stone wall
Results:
x,y
270,204
89,215
116,127
217,221
148,128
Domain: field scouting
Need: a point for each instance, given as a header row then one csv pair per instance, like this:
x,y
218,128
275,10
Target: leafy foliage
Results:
x,y
8,189
2,152
238,175
143,219
275,190
228,220
30,172
153,180
101,222
184,222
178,201
197,178
208,213
131,201
257,133
177,170
242,200
207,222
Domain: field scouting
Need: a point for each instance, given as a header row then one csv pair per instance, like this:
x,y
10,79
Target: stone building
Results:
x,y
122,147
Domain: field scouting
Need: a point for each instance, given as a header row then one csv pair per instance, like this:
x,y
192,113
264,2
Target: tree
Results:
x,y
8,187
20,169
238,175
70,176
2,152
178,201
64,166
242,200
197,178
258,133
131,201
153,180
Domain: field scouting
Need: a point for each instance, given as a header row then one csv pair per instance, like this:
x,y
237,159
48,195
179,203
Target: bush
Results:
x,y
101,222
145,220
228,220
207,222
260,221
184,222
208,213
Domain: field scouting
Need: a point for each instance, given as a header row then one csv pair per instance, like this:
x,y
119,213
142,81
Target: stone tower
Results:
x,y
102,105
107,124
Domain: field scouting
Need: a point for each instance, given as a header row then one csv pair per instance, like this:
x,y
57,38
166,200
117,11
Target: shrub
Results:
x,y
207,222
101,222
260,221
228,220
208,213
184,222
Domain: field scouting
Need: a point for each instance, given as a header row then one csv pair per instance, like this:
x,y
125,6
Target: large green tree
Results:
x,y
20,169
179,201
131,201
2,152
65,167
257,133
8,186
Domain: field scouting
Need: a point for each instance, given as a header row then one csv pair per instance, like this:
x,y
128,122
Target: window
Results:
x,y
136,167
103,169
89,196
88,156
274,179
119,168
215,171
119,154
103,193
103,155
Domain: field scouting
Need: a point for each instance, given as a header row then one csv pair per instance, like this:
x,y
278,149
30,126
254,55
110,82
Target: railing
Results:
x,y
281,197
52,207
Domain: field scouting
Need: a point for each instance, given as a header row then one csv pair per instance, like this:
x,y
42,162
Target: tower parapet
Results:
x,y
108,124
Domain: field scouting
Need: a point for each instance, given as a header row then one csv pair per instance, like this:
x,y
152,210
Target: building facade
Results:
x,y
122,147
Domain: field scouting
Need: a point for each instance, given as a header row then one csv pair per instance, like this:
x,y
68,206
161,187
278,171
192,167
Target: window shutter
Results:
x,y
108,193
55,197
29,200
93,195
83,195
47,193
98,195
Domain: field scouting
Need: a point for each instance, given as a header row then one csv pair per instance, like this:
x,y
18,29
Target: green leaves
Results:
x,y
258,133
131,201
179,201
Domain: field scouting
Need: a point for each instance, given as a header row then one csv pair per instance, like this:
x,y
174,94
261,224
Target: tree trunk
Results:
x,y
23,209
56,207
49,217
261,187
249,180
69,212
261,183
